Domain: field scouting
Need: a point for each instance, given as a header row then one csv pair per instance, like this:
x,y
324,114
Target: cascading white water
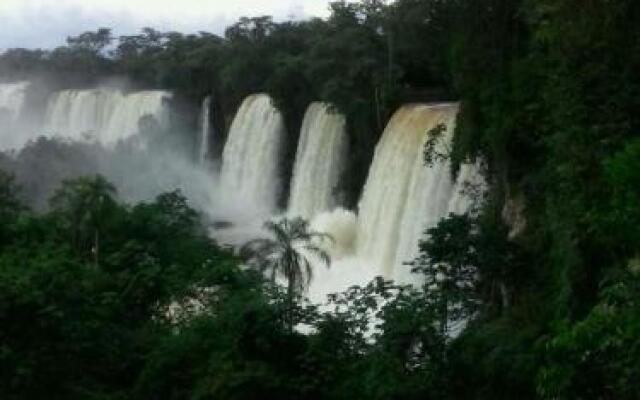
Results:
x,y
250,160
320,160
205,130
104,115
430,190
340,225
126,115
402,196
79,114
346,269
12,102
12,96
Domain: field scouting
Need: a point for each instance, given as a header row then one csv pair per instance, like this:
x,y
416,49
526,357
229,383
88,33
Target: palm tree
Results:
x,y
286,253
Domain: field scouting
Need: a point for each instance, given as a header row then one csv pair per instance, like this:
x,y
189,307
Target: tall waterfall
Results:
x,y
12,102
402,196
12,96
205,130
320,161
251,156
104,115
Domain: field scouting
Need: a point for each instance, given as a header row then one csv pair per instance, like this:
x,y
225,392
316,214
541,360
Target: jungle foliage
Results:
x,y
104,300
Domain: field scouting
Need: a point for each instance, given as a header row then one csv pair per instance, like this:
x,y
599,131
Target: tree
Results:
x,y
10,207
9,204
83,61
94,42
447,262
468,265
58,315
409,356
251,29
287,253
85,204
599,356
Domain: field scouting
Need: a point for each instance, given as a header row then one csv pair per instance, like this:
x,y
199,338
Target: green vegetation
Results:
x,y
104,300
110,301
287,254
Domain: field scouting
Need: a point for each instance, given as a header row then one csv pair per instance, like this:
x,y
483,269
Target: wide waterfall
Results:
x,y
402,196
401,199
250,176
103,115
320,160
206,130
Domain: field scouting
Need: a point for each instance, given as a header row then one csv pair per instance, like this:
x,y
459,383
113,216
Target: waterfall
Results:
x,y
320,160
12,102
429,192
251,156
346,270
205,130
12,96
402,196
104,115
125,118
80,113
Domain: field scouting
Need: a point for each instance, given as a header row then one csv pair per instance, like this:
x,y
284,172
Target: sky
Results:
x,y
47,23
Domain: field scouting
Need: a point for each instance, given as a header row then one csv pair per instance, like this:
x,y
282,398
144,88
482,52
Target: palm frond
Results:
x,y
319,252
285,253
308,271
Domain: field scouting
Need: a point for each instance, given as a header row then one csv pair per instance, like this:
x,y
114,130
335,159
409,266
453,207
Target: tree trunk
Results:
x,y
289,310
96,248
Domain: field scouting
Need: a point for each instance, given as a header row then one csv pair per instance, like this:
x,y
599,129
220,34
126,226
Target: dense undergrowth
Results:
x,y
550,94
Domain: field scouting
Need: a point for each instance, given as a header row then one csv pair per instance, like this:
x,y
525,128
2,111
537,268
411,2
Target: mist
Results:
x,y
158,157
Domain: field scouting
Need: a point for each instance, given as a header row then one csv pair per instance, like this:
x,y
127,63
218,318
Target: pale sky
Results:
x,y
46,23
